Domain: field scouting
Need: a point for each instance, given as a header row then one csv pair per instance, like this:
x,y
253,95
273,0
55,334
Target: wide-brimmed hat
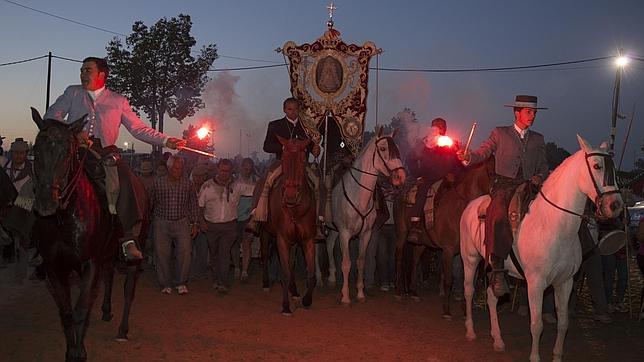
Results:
x,y
19,145
523,101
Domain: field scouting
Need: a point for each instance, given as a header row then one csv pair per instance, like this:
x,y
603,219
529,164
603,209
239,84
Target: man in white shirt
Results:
x,y
106,111
218,202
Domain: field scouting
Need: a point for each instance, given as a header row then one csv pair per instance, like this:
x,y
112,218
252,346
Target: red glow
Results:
x,y
203,132
444,141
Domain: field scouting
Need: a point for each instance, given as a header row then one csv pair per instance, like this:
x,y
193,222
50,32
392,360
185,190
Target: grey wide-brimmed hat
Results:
x,y
19,145
523,101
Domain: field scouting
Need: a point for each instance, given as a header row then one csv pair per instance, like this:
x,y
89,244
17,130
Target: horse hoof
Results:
x,y
307,301
107,317
121,339
296,298
499,347
398,297
470,337
266,289
287,313
415,298
362,299
447,317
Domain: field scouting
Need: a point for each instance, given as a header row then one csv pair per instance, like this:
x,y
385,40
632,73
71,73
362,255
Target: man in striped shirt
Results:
x,y
174,205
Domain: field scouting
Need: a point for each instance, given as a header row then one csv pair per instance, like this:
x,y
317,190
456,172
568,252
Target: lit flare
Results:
x,y
202,132
444,141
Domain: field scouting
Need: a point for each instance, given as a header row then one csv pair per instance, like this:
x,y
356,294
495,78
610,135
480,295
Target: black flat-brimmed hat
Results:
x,y
523,101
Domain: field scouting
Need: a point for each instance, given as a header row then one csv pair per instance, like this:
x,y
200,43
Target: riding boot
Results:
x,y
415,232
498,280
131,251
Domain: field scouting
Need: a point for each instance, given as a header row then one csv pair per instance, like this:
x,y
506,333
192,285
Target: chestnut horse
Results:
x,y
547,244
292,219
74,230
444,233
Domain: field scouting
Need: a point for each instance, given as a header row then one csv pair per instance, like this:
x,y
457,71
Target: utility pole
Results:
x,y
48,80
620,62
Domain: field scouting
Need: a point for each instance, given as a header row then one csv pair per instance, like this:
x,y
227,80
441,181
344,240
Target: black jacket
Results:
x,y
284,129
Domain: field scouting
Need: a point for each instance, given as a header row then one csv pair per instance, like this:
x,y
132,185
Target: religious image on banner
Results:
x,y
330,77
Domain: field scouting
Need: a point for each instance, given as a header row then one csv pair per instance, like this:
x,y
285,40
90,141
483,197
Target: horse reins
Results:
x,y
69,189
598,199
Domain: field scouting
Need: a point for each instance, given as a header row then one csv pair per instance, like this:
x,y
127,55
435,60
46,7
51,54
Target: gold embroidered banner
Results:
x,y
330,77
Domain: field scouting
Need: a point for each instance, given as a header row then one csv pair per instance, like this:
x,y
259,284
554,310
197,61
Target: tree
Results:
x,y
156,71
555,155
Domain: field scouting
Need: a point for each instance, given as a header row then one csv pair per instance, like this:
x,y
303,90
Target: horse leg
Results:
x,y
495,330
535,298
60,290
346,268
331,240
292,287
318,271
562,296
365,238
400,246
413,278
83,309
283,250
309,253
446,265
129,288
470,263
265,251
108,282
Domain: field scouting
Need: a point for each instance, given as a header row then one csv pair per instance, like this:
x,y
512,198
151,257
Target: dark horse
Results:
x,y
74,230
291,219
444,234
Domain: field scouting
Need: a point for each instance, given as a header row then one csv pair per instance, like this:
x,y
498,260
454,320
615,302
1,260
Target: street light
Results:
x,y
621,62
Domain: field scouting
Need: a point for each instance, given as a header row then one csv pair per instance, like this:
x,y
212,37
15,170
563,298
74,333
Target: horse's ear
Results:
x,y
604,146
394,133
78,124
35,115
584,145
282,140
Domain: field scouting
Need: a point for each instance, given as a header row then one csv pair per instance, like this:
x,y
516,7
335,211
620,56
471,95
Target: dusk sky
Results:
x,y
413,34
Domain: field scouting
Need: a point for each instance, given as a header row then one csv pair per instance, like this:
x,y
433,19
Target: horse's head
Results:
x,y
54,154
386,157
600,183
293,165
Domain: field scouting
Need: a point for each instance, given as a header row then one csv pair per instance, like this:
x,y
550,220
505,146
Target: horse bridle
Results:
x,y
373,162
609,169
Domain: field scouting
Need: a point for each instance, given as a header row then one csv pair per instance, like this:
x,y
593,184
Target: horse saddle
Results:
x,y
518,207
430,199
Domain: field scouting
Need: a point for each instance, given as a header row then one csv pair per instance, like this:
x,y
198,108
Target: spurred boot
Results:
x,y
498,280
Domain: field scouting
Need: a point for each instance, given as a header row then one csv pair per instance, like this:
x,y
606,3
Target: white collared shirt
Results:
x,y
220,202
293,122
94,94
522,132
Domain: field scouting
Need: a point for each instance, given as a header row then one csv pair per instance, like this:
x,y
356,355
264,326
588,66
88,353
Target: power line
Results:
x,y
63,18
23,61
247,68
496,69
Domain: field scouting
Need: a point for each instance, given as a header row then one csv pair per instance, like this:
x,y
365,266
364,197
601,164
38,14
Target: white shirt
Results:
x,y
293,122
96,93
220,202
522,132
13,172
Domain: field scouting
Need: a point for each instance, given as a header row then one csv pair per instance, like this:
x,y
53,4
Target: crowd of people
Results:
x,y
204,213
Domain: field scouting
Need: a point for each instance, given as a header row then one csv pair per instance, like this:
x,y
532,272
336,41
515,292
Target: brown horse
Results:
x,y
444,234
292,219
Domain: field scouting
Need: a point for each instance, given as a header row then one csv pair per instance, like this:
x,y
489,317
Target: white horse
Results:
x,y
353,204
547,244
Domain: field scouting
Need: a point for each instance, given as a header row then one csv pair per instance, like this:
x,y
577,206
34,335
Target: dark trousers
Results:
x,y
221,237
498,232
421,196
